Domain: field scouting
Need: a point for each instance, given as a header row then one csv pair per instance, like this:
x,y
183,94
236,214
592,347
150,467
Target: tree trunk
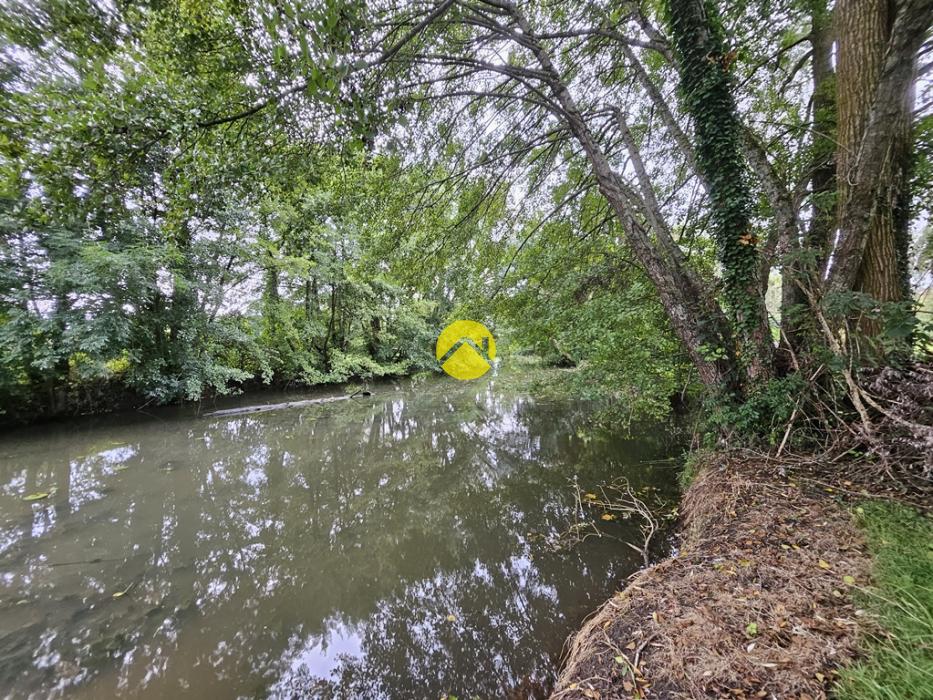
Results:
x,y
184,301
311,299
270,299
695,321
375,327
863,27
707,93
823,176
325,348
809,256
876,64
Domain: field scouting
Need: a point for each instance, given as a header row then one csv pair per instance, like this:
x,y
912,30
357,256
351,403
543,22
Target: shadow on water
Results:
x,y
368,548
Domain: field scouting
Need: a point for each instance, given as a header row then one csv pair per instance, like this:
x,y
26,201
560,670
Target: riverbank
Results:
x,y
112,396
108,396
768,596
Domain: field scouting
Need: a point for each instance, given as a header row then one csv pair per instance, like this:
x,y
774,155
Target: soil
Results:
x,y
757,602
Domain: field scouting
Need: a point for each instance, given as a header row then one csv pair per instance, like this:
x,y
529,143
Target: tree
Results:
x,y
865,37
540,76
708,95
133,228
211,143
878,47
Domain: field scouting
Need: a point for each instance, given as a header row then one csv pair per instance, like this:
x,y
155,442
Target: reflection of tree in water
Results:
x,y
372,523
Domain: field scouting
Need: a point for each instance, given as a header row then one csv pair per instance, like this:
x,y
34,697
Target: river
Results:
x,y
389,546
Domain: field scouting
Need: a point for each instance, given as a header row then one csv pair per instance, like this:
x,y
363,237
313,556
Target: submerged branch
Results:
x,y
278,406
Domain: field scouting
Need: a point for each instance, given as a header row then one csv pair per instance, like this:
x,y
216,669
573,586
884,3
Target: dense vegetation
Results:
x,y
197,196
684,200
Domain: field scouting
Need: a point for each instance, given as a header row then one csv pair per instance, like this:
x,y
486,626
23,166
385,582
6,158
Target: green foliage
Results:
x,y
763,415
143,246
150,244
693,463
591,309
197,196
921,170
900,335
899,660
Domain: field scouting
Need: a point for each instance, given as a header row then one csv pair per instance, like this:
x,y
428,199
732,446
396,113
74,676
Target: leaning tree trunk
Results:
x,y
868,34
695,319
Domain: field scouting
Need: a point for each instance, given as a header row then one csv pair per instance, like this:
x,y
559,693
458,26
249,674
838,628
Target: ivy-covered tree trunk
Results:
x,y
864,28
707,92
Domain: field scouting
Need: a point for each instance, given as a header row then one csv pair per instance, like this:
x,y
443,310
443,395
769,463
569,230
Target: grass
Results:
x,y
898,664
693,463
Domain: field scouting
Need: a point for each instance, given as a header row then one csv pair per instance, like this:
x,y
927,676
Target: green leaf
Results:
x,y
120,594
38,496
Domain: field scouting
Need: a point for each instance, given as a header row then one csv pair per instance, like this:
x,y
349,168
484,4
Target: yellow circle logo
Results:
x,y
465,350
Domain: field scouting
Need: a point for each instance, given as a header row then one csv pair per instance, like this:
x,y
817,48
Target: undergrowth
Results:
x,y
693,463
899,658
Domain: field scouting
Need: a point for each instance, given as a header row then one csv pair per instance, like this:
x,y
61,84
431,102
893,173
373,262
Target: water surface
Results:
x,y
384,547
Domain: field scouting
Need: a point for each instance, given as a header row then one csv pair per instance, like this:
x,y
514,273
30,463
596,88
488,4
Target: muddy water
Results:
x,y
385,547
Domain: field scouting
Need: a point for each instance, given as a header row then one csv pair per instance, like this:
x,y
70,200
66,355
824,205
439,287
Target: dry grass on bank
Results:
x,y
758,603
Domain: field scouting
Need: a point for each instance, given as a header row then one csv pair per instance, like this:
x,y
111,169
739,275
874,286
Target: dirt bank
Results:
x,y
757,603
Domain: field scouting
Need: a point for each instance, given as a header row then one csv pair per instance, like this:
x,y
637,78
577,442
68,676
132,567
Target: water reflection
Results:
x,y
374,548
